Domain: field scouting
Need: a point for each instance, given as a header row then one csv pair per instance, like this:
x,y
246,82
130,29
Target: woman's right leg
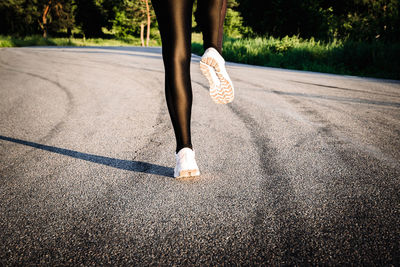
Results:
x,y
210,15
175,22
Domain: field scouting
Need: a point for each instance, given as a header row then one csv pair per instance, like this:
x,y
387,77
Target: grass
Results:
x,y
36,40
349,58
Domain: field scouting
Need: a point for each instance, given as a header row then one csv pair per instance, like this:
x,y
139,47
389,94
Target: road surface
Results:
x,y
301,168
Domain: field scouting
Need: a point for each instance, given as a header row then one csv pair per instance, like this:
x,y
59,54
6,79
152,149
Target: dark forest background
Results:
x,y
359,20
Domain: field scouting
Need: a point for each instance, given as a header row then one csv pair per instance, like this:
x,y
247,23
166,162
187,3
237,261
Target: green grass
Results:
x,y
349,58
36,40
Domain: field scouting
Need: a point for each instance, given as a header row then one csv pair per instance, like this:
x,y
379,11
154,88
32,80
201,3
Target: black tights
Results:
x,y
175,23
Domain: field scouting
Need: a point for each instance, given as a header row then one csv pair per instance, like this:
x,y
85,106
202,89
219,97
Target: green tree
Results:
x,y
24,17
366,20
56,15
233,24
361,20
132,17
14,20
109,10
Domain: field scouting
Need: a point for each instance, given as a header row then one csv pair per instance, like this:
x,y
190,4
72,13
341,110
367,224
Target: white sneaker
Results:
x,y
212,64
186,165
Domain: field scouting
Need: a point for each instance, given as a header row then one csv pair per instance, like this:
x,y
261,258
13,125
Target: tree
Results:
x,y
109,9
233,24
361,20
143,14
148,22
57,13
366,20
132,19
24,17
12,19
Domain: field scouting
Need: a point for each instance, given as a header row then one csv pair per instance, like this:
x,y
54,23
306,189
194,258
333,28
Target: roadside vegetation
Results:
x,y
37,40
373,59
351,37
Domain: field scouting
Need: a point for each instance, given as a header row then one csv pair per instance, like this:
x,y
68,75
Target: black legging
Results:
x,y
175,23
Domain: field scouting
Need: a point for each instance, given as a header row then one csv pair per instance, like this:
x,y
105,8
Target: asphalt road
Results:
x,y
302,168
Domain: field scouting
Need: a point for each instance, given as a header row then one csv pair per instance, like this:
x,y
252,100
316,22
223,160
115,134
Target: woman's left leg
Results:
x,y
175,23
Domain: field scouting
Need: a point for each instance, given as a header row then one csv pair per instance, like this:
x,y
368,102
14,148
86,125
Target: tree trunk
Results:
x,y
148,23
44,19
142,33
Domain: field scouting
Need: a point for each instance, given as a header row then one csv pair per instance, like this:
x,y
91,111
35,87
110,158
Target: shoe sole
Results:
x,y
212,80
222,94
188,173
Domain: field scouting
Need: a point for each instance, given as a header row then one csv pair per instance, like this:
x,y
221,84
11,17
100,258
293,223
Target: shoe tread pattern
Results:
x,y
222,94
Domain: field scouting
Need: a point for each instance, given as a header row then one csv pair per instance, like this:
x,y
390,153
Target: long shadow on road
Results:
x,y
129,165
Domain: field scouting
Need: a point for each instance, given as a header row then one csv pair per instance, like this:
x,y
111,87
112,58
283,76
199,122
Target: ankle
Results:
x,y
178,148
216,48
